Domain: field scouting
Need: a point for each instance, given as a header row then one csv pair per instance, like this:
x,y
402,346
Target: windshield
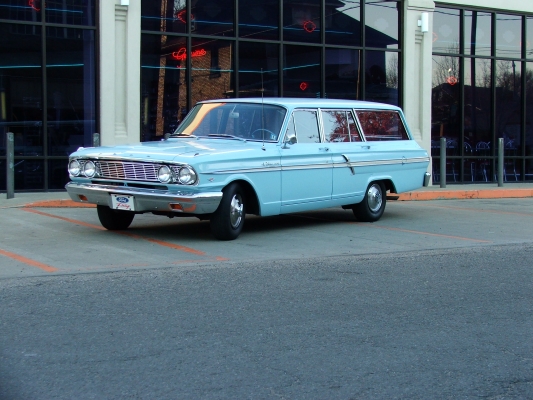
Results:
x,y
250,121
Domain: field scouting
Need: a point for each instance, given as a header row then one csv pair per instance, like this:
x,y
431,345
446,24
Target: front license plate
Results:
x,y
122,202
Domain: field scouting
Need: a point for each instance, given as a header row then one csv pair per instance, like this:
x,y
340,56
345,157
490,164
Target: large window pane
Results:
x,y
29,10
508,105
301,71
71,12
529,41
445,99
259,20
529,109
212,69
21,100
343,74
70,69
164,15
343,23
163,84
508,36
212,17
382,74
301,21
446,28
381,23
478,30
258,69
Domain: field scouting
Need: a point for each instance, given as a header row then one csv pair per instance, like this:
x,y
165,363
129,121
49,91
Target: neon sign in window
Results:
x,y
309,26
34,4
181,54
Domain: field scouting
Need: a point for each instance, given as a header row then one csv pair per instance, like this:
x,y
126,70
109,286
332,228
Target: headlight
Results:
x,y
74,168
187,176
89,169
164,174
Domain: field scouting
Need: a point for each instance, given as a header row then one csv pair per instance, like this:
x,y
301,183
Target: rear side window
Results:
x,y
382,125
339,126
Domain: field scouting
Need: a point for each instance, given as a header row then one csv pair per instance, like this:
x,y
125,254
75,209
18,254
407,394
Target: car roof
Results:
x,y
295,102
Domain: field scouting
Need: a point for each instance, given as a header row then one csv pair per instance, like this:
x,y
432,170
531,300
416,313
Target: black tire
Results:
x,y
373,205
114,220
228,220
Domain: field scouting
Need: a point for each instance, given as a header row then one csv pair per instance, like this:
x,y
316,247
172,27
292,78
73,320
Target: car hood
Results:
x,y
183,150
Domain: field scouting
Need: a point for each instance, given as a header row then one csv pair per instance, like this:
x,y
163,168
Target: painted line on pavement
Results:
x,y
132,235
28,261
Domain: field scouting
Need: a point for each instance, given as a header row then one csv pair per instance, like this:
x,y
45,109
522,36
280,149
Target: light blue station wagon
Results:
x,y
271,156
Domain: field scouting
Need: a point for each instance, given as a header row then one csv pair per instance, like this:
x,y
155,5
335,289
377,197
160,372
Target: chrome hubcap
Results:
x,y
374,198
236,211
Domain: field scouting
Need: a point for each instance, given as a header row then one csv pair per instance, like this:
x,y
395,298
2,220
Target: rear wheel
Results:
x,y
114,220
373,205
228,219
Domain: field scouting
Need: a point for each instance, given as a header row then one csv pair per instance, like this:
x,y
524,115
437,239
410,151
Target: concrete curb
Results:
x,y
58,204
466,194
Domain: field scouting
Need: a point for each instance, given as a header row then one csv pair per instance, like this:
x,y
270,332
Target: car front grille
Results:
x,y
123,170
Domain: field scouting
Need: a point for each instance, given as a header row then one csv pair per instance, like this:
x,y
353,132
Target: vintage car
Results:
x,y
270,156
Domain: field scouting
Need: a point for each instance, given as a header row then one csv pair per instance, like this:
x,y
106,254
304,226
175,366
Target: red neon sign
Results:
x,y
182,16
32,4
181,54
309,26
303,86
452,80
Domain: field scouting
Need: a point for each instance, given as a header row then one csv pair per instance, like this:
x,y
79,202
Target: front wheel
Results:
x,y
114,220
373,205
228,220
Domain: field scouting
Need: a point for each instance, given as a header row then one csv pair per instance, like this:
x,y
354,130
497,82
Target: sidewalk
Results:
x,y
474,191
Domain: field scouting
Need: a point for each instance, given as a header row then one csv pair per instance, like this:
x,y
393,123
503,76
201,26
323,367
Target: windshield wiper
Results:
x,y
222,135
180,134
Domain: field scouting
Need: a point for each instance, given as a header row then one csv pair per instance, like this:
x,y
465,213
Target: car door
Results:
x,y
347,151
306,174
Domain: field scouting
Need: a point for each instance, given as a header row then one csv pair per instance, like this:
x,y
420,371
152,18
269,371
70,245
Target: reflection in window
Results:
x,y
446,24
529,111
305,125
381,23
382,125
301,71
508,100
301,21
30,10
529,40
339,126
164,16
382,77
212,17
478,30
477,94
71,12
212,69
343,74
509,36
258,69
259,20
163,84
343,23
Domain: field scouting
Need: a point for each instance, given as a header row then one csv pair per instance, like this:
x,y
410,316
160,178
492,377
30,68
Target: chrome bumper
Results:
x,y
147,199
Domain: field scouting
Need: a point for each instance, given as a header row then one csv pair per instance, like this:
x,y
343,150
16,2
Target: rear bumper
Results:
x,y
147,199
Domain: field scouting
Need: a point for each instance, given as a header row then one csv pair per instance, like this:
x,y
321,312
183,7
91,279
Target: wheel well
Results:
x,y
389,186
252,203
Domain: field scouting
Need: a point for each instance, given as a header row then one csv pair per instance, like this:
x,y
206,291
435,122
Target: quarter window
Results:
x,y
304,125
382,125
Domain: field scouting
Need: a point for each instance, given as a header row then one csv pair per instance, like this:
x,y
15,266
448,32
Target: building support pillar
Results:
x,y
417,70
119,70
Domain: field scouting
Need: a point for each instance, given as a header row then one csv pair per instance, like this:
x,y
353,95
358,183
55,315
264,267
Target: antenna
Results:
x,y
262,109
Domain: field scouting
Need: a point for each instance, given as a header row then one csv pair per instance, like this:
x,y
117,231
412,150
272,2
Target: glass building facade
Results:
x,y
482,90
197,50
47,87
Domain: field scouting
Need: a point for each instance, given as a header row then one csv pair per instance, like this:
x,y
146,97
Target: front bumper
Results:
x,y
147,199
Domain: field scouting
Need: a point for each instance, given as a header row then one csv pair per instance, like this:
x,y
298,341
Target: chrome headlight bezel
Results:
x,y
187,176
164,174
89,169
74,168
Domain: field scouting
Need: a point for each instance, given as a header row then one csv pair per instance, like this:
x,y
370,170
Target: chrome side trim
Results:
x,y
146,199
413,160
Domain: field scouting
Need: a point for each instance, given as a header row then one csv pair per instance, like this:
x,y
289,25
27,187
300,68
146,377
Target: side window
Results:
x,y
354,132
382,125
304,124
335,125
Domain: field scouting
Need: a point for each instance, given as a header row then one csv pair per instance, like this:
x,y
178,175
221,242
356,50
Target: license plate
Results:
x,y
123,202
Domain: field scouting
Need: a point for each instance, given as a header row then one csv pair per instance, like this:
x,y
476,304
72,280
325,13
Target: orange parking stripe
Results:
x,y
28,261
132,235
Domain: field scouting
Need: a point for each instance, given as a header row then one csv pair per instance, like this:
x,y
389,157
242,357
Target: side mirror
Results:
x,y
290,138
